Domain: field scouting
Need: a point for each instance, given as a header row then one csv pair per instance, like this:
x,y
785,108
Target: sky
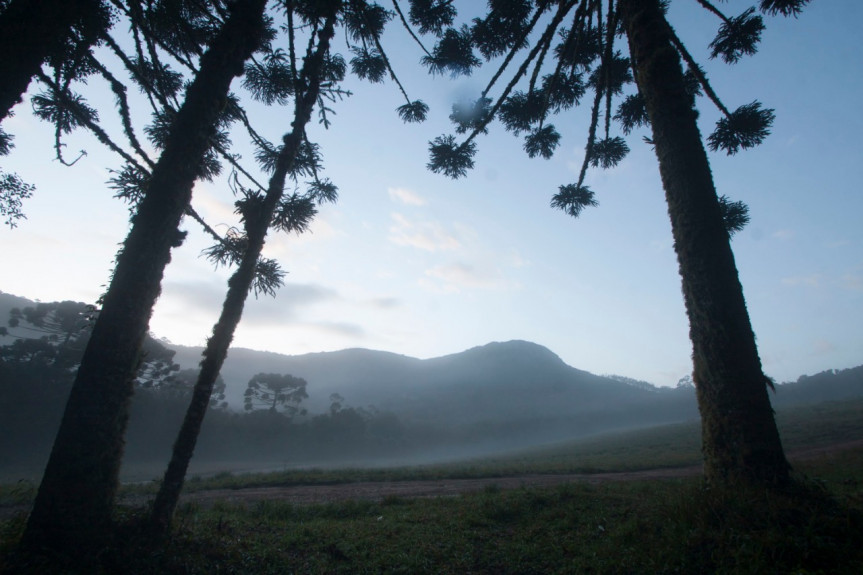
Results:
x,y
413,263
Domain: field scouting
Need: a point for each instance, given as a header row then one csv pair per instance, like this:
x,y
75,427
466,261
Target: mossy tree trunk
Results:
x,y
73,507
740,440
239,286
31,31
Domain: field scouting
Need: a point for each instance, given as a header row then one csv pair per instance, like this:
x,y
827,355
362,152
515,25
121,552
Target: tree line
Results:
x,y
547,57
37,370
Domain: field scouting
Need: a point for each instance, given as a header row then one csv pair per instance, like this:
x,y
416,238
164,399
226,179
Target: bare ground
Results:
x,y
379,490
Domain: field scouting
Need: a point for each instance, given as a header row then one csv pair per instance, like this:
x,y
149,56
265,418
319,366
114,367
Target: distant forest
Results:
x,y
36,373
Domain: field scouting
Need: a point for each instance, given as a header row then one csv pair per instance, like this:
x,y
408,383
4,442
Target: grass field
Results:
x,y
667,526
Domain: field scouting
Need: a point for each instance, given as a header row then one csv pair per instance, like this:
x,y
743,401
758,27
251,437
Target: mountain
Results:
x,y
511,384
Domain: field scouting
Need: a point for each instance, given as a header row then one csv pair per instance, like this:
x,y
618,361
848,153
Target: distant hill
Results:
x,y
511,384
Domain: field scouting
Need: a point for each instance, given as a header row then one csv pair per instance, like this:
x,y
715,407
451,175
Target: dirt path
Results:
x,y
379,490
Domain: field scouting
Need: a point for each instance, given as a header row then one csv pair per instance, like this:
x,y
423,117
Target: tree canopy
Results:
x,y
276,392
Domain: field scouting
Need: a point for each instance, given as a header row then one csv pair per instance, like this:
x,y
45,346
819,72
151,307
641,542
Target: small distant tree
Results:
x,y
277,392
336,403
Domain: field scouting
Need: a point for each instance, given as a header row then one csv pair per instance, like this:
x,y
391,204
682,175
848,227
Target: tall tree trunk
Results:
x,y
73,506
238,289
740,440
31,31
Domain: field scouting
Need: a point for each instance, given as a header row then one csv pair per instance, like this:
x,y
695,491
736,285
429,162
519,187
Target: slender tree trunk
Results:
x,y
238,289
740,440
73,506
31,31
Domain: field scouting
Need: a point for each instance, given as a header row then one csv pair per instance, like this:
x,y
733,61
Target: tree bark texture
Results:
x,y
740,440
32,31
239,286
74,504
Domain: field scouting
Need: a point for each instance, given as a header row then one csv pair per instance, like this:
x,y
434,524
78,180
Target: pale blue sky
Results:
x,y
414,263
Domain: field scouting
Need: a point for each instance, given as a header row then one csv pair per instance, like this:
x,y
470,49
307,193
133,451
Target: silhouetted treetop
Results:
x,y
549,56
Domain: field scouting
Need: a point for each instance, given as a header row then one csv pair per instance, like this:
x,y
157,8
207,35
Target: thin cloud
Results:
x,y
853,282
823,347
199,298
462,275
289,300
427,236
215,210
406,197
385,302
813,280
517,261
783,234
340,329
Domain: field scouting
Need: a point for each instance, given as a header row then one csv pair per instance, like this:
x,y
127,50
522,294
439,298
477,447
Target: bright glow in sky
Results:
x,y
410,262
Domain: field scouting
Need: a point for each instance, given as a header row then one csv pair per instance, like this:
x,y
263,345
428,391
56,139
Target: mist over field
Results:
x,y
362,407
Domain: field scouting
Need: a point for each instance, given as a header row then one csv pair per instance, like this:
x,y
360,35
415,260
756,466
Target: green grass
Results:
x,y
636,527
671,526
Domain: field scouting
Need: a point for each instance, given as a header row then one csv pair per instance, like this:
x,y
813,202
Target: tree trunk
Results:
x,y
238,289
740,440
73,506
31,31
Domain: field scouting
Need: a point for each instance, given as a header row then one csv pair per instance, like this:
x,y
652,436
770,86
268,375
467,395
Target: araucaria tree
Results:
x,y
33,32
73,508
276,392
276,80
571,51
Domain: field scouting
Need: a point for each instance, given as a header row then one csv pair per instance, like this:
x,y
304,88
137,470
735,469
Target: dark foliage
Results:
x,y
562,91
415,111
272,81
579,48
744,128
631,113
432,16
521,110
66,112
6,144
130,184
738,37
611,75
450,159
294,214
365,22
542,142
453,53
735,215
573,198
368,64
13,192
608,153
784,7
157,75
503,28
